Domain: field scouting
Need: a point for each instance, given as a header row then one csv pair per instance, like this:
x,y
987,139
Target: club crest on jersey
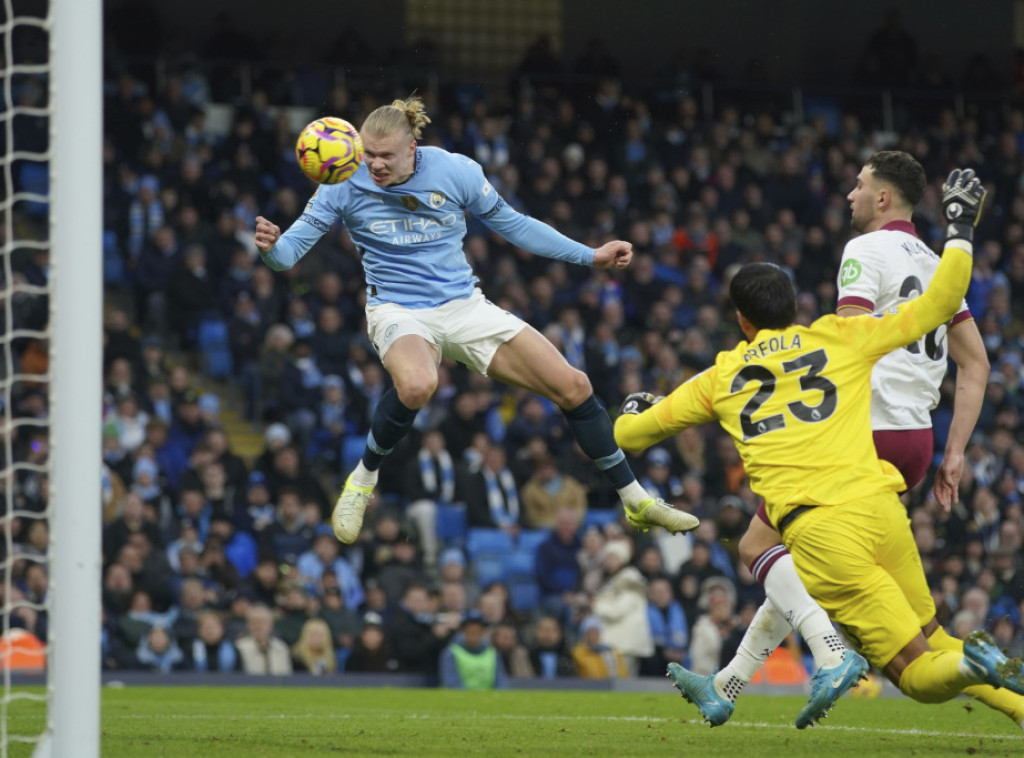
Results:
x,y
850,272
410,202
437,199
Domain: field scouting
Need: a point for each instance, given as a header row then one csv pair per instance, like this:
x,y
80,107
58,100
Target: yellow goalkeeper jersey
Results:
x,y
797,401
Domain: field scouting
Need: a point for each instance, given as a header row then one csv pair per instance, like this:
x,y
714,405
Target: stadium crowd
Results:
x,y
489,522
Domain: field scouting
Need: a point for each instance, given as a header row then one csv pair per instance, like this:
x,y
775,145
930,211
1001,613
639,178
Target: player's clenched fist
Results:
x,y
267,234
638,402
962,201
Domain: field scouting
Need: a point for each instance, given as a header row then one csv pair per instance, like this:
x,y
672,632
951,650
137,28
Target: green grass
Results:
x,y
196,722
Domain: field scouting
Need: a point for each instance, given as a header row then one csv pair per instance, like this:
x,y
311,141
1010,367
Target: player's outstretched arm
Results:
x,y
645,420
972,368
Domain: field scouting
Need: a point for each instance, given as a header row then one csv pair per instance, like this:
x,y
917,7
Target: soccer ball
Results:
x,y
329,150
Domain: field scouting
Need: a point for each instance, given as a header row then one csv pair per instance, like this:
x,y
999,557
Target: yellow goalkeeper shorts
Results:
x,y
860,562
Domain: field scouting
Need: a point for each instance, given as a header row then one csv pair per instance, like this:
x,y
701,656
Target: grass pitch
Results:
x,y
229,721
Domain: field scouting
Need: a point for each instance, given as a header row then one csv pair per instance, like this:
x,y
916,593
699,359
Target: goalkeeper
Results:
x,y
797,402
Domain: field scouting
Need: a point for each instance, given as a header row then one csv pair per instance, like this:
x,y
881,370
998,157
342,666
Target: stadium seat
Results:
x,y
451,524
485,541
217,362
524,596
488,568
529,540
520,565
215,347
600,518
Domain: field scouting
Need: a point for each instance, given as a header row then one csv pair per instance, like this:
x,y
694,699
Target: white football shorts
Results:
x,y
468,331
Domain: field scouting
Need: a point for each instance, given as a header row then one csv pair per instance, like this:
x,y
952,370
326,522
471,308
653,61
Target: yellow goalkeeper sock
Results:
x,y
1002,700
935,677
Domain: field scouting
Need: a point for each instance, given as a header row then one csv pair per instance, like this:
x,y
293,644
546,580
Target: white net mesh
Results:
x,y
24,375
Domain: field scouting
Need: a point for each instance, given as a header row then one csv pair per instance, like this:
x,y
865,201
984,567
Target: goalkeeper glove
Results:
x,y
962,201
638,402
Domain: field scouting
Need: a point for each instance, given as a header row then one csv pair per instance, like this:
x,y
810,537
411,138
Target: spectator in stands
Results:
x,y
259,511
333,425
261,651
300,390
191,605
429,481
158,651
713,625
288,536
669,628
416,635
549,492
211,650
292,614
129,420
324,556
314,652
132,520
557,568
287,472
191,294
274,356
659,478
239,547
621,605
404,567
514,656
491,495
343,622
549,655
452,568
593,658
371,652
470,662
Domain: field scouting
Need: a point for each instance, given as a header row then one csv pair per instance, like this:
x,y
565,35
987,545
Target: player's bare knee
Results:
x,y
754,542
748,548
573,391
416,390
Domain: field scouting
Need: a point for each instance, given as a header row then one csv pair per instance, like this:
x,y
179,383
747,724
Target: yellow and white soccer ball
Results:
x,y
329,150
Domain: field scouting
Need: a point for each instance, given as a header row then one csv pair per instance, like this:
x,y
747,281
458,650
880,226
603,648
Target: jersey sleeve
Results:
x,y
879,334
298,239
860,276
483,201
689,404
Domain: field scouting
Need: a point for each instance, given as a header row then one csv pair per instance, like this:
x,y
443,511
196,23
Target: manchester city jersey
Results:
x,y
409,235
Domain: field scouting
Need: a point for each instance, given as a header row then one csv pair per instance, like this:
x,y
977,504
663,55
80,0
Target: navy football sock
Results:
x,y
391,421
592,429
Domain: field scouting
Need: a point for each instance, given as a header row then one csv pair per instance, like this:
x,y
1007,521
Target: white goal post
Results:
x,y
76,359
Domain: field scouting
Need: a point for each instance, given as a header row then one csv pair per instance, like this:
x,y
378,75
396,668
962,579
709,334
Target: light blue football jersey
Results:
x,y
410,235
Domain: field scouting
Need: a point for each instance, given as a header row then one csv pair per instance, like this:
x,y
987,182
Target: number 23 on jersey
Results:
x,y
810,382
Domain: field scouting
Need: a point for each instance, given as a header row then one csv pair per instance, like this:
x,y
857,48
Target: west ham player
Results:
x,y
886,265
796,401
404,209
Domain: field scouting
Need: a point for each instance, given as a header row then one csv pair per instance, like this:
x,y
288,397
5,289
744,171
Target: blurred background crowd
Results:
x,y
489,525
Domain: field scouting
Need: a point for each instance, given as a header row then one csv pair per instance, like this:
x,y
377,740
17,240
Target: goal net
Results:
x,y
50,369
